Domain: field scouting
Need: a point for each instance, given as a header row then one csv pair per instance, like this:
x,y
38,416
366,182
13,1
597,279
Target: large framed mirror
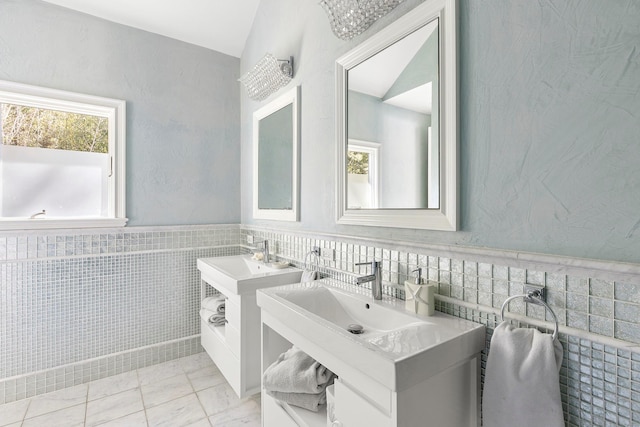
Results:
x,y
396,121
276,142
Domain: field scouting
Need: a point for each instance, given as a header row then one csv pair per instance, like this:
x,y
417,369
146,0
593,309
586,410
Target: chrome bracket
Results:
x,y
286,66
534,293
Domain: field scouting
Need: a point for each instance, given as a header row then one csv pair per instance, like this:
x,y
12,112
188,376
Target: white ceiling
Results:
x,y
220,25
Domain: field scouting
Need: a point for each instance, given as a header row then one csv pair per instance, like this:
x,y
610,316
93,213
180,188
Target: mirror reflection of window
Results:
x,y
433,170
363,171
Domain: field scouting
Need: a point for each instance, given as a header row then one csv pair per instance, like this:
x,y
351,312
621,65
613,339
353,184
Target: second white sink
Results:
x,y
240,274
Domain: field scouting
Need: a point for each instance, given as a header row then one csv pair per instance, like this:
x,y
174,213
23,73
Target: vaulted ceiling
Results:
x,y
220,25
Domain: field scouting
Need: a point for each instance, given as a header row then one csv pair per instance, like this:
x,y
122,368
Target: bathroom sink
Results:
x,y
242,274
240,267
345,309
396,347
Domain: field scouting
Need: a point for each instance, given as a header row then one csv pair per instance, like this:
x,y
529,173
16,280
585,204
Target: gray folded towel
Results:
x,y
215,303
312,402
296,372
216,319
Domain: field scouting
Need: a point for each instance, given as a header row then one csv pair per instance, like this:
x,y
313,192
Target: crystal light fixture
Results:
x,y
348,18
267,76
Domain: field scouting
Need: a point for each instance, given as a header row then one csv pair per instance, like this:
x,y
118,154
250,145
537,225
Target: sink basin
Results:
x,y
397,348
240,267
241,274
344,309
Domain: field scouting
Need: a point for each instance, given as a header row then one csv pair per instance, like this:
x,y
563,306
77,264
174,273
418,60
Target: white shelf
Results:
x,y
308,418
302,417
218,330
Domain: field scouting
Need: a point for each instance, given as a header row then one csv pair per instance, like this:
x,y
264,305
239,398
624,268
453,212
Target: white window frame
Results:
x,y
115,111
373,150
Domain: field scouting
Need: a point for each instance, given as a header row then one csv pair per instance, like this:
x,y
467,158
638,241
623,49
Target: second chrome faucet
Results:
x,y
375,278
265,250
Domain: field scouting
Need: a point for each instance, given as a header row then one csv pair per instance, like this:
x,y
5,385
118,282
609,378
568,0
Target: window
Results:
x,y
62,159
363,174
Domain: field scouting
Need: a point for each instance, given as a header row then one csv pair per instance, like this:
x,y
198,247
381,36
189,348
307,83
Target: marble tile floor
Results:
x,y
189,391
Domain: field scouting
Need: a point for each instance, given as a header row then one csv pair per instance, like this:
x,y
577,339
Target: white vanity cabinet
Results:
x,y
232,347
447,399
426,373
235,346
451,398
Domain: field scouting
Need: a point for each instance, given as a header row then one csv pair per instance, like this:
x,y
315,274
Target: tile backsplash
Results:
x,y
597,305
80,305
83,305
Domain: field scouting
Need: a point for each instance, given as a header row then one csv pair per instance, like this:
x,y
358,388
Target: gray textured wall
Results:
x,y
549,123
183,106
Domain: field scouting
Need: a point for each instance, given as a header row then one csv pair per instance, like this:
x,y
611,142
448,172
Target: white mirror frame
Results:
x,y
290,97
444,218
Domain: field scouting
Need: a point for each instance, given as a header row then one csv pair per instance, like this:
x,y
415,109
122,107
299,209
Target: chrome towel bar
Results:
x,y
534,297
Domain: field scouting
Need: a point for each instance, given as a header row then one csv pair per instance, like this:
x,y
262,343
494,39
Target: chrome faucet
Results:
x,y
265,259
375,278
265,251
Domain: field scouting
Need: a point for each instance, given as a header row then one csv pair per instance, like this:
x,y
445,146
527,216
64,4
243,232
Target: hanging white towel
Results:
x,y
308,276
296,372
522,383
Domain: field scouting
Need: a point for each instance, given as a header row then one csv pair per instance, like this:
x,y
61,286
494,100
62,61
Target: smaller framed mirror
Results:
x,y
276,142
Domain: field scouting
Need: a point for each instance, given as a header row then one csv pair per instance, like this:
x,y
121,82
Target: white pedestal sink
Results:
x,y
403,370
235,346
240,274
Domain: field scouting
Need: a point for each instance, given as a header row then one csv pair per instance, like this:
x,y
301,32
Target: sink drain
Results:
x,y
354,328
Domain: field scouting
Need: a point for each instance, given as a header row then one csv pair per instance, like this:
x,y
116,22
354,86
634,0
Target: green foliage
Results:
x,y
37,127
358,162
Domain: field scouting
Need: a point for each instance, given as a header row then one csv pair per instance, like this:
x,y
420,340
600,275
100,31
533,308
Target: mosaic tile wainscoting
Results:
x,y
597,304
84,305
79,305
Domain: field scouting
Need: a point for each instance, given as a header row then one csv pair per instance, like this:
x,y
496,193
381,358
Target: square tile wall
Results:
x,y
607,308
599,384
83,305
97,302
600,315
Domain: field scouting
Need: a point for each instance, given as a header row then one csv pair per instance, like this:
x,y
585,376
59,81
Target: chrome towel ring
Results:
x,y
315,251
534,298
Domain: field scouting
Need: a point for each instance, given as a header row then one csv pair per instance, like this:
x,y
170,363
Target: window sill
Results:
x,y
60,223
